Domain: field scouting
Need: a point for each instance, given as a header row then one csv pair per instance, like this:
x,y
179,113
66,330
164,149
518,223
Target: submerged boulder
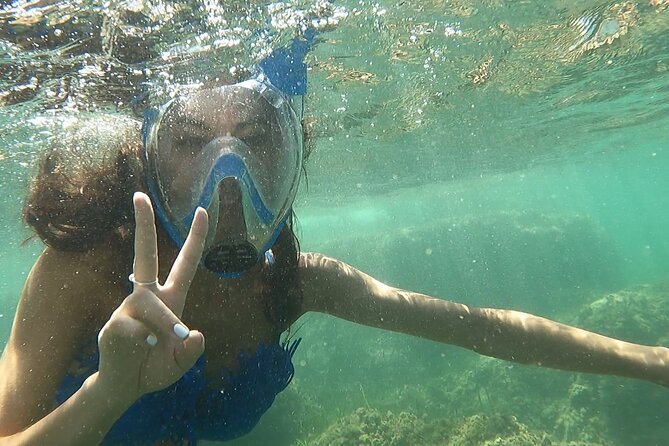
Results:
x,y
369,427
531,261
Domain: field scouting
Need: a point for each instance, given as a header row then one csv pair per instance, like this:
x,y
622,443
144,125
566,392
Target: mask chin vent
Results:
x,y
231,258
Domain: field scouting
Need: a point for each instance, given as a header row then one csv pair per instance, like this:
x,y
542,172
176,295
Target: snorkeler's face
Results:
x,y
192,123
234,150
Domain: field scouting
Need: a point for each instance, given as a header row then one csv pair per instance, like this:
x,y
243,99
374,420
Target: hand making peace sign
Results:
x,y
144,347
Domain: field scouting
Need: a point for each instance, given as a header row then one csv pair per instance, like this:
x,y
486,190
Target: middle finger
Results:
x,y
186,264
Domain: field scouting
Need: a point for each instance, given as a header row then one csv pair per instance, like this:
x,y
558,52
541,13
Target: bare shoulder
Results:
x,y
314,262
73,282
68,292
318,271
330,285
65,299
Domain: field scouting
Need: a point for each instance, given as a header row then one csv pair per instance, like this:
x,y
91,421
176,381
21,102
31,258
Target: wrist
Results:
x,y
659,373
648,364
112,399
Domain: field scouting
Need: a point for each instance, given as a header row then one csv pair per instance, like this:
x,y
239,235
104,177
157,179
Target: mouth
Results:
x,y
235,258
231,251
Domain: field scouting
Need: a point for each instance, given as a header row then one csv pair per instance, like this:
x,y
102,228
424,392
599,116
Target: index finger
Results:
x,y
145,266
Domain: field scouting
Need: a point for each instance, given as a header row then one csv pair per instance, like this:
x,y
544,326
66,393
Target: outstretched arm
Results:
x,y
333,287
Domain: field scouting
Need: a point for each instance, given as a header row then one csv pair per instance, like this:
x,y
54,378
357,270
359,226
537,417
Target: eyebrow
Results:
x,y
184,120
250,121
192,123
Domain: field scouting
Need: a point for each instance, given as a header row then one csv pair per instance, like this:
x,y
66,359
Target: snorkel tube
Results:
x,y
285,67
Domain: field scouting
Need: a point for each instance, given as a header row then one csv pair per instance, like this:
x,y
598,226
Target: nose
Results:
x,y
225,144
231,224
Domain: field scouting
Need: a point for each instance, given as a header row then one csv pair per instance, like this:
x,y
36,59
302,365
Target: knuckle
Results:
x,y
118,323
120,330
140,293
136,300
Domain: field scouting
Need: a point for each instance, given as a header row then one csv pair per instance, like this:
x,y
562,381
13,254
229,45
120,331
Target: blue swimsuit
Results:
x,y
193,408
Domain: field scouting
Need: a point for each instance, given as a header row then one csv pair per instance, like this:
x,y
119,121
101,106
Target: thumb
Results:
x,y
188,351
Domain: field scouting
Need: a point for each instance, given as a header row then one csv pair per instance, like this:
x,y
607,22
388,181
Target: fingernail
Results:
x,y
181,331
151,340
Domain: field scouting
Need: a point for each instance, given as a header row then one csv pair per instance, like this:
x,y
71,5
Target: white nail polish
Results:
x,y
181,331
151,340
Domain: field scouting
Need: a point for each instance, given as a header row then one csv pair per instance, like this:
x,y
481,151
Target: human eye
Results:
x,y
189,139
190,135
253,135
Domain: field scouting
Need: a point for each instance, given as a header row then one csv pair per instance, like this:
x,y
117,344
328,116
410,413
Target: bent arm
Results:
x,y
84,419
335,288
57,314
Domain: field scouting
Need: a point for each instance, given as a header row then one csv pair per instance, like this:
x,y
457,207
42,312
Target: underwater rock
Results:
x,y
639,313
369,427
527,260
627,410
495,430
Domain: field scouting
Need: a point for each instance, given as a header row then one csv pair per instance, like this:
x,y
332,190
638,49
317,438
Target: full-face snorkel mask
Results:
x,y
236,151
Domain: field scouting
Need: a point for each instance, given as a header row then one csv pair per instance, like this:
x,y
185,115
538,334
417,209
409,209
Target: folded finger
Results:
x,y
187,352
123,328
146,307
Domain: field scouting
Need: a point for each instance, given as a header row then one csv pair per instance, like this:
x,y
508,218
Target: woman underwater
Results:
x,y
97,356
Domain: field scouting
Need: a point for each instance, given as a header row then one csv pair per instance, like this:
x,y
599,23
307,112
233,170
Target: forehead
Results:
x,y
229,103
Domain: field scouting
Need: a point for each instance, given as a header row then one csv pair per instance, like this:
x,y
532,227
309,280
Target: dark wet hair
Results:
x,y
81,197
81,194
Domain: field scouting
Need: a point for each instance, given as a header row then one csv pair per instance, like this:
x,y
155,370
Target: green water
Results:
x,y
540,183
